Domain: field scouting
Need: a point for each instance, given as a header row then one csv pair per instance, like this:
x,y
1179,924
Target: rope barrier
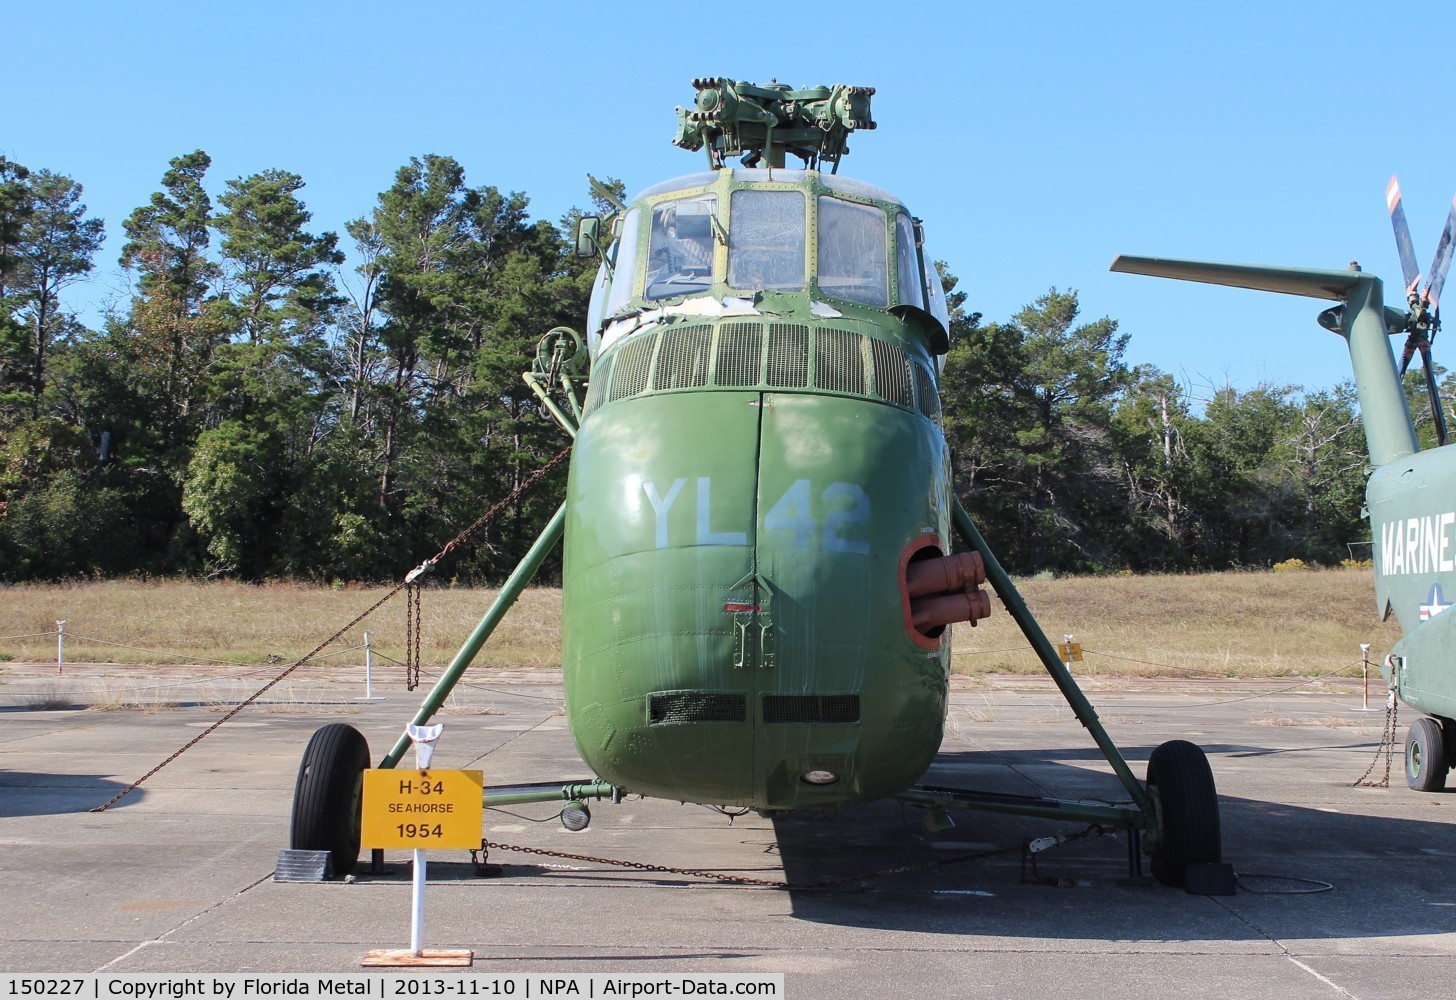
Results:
x,y
1147,663
160,652
1267,694
1305,682
1178,666
186,657
428,674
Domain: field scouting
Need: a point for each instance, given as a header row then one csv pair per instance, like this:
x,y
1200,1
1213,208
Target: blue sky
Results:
x,y
1037,140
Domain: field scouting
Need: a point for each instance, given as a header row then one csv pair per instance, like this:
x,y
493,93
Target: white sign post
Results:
x,y
439,790
425,738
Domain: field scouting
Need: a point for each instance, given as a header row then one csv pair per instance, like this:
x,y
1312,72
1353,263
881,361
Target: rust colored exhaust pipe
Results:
x,y
945,574
969,605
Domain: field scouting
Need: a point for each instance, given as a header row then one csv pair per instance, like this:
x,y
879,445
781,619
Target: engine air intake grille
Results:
x,y
739,357
696,706
892,374
634,361
772,357
601,377
682,360
810,709
838,363
926,393
788,356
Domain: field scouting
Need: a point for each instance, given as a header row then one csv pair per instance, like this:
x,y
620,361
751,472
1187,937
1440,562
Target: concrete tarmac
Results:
x,y
177,876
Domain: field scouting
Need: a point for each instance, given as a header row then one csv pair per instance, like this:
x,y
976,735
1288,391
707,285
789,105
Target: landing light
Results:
x,y
936,820
819,777
575,816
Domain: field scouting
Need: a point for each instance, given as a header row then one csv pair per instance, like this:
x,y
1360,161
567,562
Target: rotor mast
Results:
x,y
764,122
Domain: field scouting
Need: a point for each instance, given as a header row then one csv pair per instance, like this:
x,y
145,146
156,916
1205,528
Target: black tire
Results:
x,y
328,797
1426,762
1183,781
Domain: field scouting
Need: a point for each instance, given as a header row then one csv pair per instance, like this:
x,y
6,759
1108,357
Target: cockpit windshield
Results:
x,y
680,254
912,288
766,250
759,231
852,251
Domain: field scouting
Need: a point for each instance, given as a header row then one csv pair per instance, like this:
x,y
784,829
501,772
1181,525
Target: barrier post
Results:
x,y
369,672
1365,676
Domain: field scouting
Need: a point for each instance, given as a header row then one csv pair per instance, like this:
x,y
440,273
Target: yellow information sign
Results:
x,y
1071,652
422,809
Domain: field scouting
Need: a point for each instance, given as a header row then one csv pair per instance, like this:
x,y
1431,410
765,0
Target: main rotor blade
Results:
x,y
1443,258
1402,235
1438,412
1314,282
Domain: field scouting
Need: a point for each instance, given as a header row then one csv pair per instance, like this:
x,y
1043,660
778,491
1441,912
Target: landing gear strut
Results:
x,y
1175,814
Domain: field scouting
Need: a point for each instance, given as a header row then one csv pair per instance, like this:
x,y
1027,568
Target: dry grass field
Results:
x,y
1243,624
204,623
1247,624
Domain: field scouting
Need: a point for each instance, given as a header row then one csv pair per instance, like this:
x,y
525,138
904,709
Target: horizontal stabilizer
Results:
x,y
1312,282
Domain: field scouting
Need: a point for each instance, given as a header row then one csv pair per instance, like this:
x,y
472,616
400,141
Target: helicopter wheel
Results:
x,y
329,795
1426,761
1179,773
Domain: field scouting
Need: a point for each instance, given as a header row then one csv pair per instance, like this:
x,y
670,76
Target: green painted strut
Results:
x,y
1081,707
553,793
567,424
1058,809
521,576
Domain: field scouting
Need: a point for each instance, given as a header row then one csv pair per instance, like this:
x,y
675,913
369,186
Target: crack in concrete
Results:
x,y
173,930
1283,949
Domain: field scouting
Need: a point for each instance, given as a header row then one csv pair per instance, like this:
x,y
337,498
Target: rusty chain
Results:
x,y
480,859
409,639
414,680
1387,744
449,547
412,627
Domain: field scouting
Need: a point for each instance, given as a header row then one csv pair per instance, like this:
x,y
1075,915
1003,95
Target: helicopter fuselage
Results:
x,y
1413,527
758,461
1409,496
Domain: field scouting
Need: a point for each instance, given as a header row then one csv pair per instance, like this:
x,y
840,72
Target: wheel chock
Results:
x,y
1209,878
304,866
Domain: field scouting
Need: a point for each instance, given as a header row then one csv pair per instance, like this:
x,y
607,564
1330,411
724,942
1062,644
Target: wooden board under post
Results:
x,y
427,958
